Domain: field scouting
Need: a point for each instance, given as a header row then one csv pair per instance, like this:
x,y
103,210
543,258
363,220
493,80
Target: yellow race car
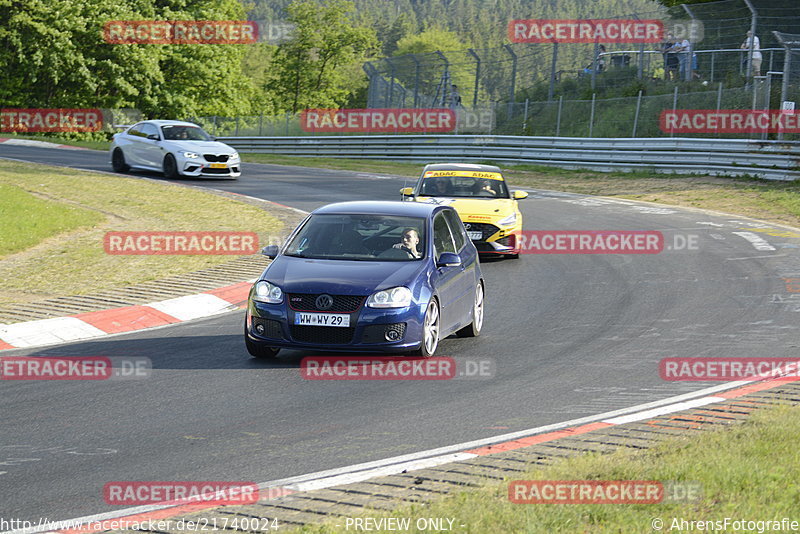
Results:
x,y
479,194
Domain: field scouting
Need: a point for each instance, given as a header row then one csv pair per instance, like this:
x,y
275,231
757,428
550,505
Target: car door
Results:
x,y
469,261
130,144
150,149
447,280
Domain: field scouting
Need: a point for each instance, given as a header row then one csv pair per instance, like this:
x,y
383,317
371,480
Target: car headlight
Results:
x,y
190,155
235,155
396,297
269,293
511,219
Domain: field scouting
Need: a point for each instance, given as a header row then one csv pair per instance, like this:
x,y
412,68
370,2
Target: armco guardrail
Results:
x,y
775,160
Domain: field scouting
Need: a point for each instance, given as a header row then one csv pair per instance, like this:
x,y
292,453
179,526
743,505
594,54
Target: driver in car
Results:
x,y
483,187
409,242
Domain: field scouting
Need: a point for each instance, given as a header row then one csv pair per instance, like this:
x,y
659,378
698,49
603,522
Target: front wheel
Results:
x,y
118,161
430,331
474,329
171,167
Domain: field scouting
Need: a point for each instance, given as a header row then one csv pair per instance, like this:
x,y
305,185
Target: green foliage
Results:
x,y
310,68
54,55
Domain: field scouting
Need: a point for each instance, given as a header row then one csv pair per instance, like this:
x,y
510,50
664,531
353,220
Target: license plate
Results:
x,y
475,235
218,166
322,319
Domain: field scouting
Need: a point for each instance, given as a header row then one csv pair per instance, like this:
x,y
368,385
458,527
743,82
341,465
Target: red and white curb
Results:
x,y
126,319
39,144
421,460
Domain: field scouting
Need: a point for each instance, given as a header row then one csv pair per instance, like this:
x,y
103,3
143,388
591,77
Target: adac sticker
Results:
x,y
465,174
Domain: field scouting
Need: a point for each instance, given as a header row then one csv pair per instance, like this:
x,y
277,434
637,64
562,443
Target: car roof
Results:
x,y
460,167
168,123
380,207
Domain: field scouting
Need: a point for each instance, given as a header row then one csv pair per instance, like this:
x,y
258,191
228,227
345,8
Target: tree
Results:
x,y
310,68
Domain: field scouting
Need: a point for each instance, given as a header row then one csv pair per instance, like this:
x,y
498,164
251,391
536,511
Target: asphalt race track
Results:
x,y
570,335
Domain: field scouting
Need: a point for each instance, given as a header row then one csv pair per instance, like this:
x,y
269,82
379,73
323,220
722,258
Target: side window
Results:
x,y
135,130
442,240
457,228
149,129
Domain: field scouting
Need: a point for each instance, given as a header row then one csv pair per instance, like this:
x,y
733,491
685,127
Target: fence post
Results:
x,y
594,63
287,125
719,97
636,116
477,77
753,17
416,80
525,118
674,107
713,55
551,89
390,90
237,127
214,125
787,70
512,90
591,114
260,123
558,119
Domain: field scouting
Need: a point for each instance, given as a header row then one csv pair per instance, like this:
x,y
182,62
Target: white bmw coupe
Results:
x,y
175,148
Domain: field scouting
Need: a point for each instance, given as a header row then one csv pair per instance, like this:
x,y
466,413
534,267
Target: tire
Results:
x,y
513,256
118,161
474,328
430,330
257,350
171,167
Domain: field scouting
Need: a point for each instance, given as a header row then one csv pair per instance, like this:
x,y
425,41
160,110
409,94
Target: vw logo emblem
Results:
x,y
324,302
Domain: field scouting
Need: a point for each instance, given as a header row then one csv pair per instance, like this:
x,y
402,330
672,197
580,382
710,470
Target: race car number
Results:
x,y
322,319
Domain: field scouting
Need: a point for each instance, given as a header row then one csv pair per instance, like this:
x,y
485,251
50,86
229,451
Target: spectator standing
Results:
x,y
455,97
756,70
670,58
683,50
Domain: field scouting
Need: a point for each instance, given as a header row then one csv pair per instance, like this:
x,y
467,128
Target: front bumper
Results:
x,y
495,239
366,333
200,167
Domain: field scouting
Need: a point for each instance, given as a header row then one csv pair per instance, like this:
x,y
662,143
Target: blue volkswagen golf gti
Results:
x,y
368,277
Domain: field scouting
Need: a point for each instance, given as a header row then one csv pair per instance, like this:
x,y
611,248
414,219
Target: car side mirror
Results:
x,y
270,251
407,191
448,259
519,195
153,137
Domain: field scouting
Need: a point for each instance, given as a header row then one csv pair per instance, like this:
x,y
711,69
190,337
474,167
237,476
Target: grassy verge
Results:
x,y
745,472
26,220
762,199
72,259
88,143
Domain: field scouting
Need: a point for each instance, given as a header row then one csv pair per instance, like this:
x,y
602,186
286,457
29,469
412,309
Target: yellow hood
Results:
x,y
476,210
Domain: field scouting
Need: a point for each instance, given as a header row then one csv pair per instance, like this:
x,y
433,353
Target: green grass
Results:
x,y
75,257
360,165
25,220
85,143
745,472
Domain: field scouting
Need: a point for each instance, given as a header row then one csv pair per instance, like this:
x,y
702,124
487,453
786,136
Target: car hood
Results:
x,y
202,147
476,210
340,277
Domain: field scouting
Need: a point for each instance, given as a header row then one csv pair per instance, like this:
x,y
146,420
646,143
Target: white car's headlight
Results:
x,y
235,155
269,293
396,297
190,155
511,219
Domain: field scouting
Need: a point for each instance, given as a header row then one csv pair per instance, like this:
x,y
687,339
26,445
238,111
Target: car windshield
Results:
x,y
464,184
360,237
184,133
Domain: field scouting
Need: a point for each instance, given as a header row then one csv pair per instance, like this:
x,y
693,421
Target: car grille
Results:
x,y
341,303
216,158
272,328
486,230
209,170
323,335
376,333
